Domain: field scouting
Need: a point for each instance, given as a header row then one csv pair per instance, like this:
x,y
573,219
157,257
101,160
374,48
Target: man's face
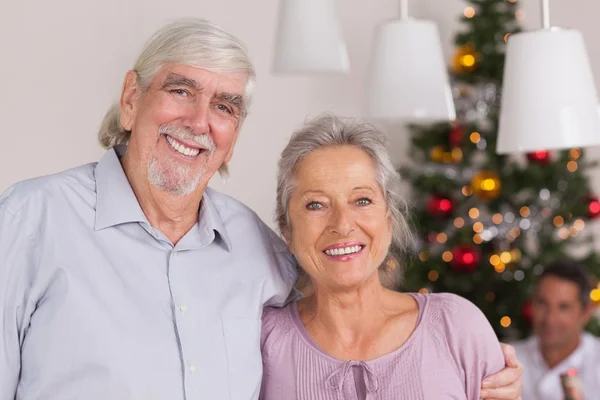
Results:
x,y
184,126
558,314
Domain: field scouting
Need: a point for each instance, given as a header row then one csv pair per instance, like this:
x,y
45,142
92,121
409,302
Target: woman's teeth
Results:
x,y
343,251
181,148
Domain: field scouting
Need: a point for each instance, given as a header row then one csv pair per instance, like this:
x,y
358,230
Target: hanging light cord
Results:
x,y
546,14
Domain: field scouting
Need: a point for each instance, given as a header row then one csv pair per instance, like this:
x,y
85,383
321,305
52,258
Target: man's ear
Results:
x,y
128,102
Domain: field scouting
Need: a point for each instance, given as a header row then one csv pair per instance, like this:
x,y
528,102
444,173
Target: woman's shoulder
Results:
x,y
277,322
449,309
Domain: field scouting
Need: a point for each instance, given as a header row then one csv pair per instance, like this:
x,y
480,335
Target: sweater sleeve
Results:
x,y
472,342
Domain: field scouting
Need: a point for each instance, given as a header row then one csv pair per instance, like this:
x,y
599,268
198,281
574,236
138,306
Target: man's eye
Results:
x,y
224,108
181,92
313,205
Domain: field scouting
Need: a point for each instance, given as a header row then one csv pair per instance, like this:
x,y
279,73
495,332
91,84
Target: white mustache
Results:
x,y
185,133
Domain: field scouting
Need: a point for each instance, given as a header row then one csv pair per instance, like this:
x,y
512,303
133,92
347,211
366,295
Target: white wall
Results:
x,y
63,61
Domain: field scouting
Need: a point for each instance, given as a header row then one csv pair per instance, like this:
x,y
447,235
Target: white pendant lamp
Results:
x,y
309,38
549,99
408,79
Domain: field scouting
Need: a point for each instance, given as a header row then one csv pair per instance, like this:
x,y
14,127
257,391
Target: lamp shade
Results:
x,y
549,98
309,38
408,78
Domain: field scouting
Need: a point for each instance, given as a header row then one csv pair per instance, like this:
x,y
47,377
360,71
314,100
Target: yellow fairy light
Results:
x,y
490,296
433,276
595,295
475,137
477,239
572,166
506,37
437,153
525,212
579,224
505,322
423,256
469,12
447,157
512,1
505,257
497,218
495,259
473,213
423,291
447,256
442,237
515,255
456,154
459,222
467,190
558,221
563,233
573,232
574,154
477,227
468,60
500,268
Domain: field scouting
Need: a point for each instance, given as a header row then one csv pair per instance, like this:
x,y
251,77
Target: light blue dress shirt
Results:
x,y
96,304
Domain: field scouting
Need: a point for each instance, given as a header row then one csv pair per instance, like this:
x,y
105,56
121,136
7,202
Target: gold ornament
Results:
x,y
465,59
486,185
437,154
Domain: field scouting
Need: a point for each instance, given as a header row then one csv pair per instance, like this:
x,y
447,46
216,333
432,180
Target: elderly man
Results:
x,y
131,279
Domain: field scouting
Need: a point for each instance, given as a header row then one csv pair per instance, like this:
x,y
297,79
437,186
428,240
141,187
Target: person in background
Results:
x,y
561,308
341,213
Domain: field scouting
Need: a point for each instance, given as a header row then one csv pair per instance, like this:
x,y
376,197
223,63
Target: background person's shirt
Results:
x,y
96,304
543,383
452,349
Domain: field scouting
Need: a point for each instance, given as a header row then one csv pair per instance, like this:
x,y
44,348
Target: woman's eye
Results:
x,y
313,205
363,202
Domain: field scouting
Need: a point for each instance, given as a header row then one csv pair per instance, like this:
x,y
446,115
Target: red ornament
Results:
x,y
541,157
593,207
465,258
439,206
527,311
456,135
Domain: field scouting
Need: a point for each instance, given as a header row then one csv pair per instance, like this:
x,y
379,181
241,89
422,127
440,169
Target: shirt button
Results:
x,y
183,308
174,253
193,369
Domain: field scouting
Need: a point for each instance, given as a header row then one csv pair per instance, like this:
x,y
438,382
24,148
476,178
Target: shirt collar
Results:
x,y
116,202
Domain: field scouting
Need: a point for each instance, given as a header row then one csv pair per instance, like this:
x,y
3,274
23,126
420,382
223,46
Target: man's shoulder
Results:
x,y
41,190
238,217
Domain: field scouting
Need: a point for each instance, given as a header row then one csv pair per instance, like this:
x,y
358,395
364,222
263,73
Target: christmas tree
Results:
x,y
488,223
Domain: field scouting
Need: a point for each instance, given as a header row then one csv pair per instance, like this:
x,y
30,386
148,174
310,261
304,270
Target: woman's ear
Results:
x,y
287,238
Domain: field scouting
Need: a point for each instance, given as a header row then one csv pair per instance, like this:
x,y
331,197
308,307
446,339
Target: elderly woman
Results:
x,y
340,211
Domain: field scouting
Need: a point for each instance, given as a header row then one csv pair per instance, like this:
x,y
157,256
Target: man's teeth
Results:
x,y
181,148
343,251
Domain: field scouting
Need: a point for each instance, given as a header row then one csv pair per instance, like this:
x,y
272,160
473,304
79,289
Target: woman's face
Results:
x,y
340,227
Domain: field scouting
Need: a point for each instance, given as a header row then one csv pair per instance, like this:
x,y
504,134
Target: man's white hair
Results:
x,y
193,42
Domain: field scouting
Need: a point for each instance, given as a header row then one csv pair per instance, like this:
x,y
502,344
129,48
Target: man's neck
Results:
x,y
173,215
554,355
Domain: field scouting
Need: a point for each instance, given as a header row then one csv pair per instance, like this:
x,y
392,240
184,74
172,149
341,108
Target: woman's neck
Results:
x,y
354,324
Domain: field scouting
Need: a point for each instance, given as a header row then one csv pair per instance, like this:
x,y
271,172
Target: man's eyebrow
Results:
x,y
179,80
236,100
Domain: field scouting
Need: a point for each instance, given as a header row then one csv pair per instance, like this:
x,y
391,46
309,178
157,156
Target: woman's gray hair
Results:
x,y
188,41
329,130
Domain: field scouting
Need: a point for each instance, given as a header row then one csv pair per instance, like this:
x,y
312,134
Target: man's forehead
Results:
x,y
200,78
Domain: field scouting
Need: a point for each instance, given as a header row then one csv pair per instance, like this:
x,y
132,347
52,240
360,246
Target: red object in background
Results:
x,y
465,258
439,206
456,135
593,207
527,311
542,157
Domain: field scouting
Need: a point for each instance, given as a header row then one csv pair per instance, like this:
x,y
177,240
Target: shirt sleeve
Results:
x,y
17,259
472,342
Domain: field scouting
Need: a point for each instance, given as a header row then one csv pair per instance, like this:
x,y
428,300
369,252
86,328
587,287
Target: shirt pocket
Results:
x,y
244,362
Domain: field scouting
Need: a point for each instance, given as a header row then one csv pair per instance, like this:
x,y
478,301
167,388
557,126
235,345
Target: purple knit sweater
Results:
x,y
451,350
